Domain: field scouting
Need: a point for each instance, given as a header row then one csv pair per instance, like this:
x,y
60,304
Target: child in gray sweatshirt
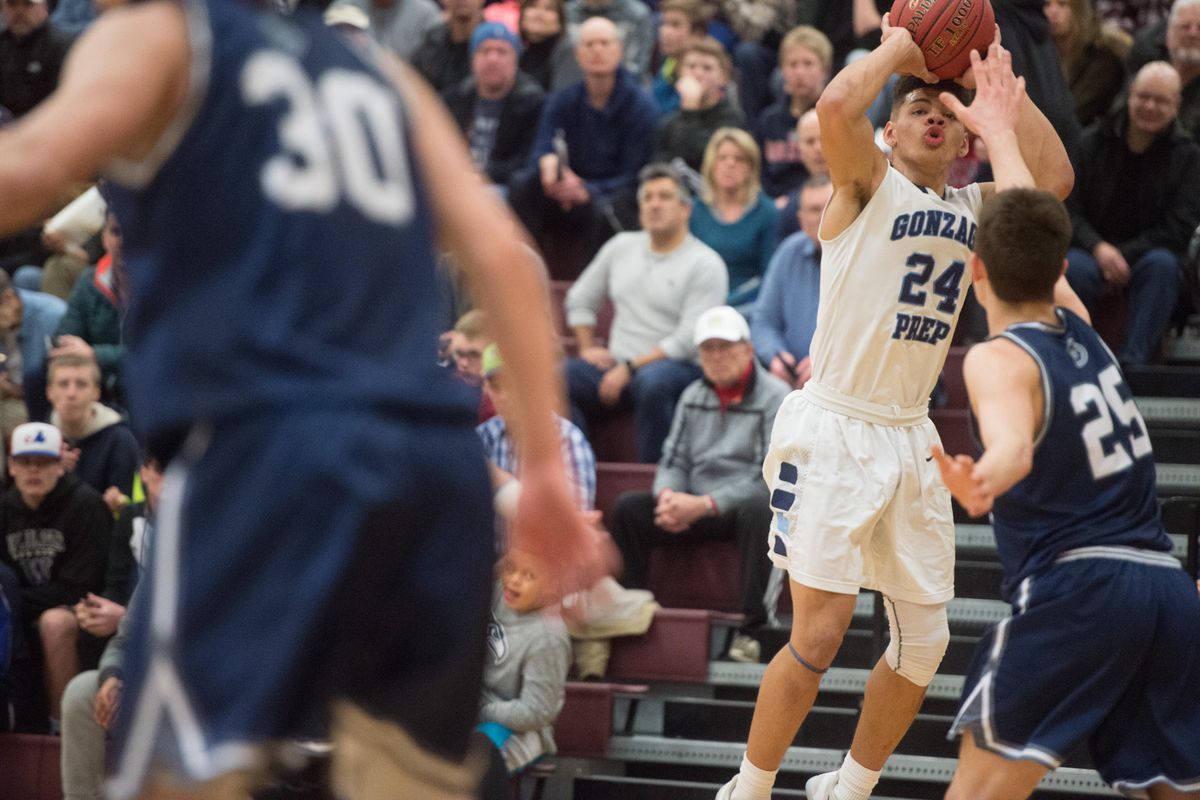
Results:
x,y
529,653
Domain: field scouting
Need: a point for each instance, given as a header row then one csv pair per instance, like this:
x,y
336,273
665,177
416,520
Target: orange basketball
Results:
x,y
946,31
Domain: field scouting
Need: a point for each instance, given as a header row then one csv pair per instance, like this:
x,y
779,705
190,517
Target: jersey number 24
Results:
x,y
340,137
1103,398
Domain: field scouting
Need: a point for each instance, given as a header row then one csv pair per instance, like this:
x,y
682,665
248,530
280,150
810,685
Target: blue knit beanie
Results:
x,y
494,30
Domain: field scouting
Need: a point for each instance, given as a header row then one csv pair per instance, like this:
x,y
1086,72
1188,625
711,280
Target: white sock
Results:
x,y
855,782
753,783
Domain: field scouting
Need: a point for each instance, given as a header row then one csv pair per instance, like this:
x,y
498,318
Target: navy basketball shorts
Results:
x,y
1102,648
301,559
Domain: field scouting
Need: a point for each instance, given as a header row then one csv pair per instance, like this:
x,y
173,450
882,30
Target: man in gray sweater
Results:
x,y
709,483
659,279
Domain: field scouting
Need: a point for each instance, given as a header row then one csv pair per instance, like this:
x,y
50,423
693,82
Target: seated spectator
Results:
x,y
72,240
91,325
401,25
1134,15
584,177
703,106
680,23
469,338
525,675
1183,48
812,158
735,217
785,316
709,480
578,457
28,320
1135,204
549,54
1094,70
633,21
805,60
91,699
32,51
1174,38
659,281
759,26
497,108
444,56
101,450
56,534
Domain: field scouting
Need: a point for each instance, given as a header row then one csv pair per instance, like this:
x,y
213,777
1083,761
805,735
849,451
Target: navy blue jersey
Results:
x,y
1093,477
278,242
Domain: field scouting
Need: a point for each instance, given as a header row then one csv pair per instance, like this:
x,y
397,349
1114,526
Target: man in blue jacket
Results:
x,y
592,140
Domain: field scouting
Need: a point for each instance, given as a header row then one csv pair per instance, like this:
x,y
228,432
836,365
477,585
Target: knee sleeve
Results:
x,y
920,635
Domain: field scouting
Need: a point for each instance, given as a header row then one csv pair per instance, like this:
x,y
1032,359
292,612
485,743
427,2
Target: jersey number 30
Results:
x,y
1102,398
340,136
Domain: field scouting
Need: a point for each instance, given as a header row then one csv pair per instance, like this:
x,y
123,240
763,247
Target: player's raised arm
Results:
x,y
122,84
856,165
1005,387
1030,152
489,244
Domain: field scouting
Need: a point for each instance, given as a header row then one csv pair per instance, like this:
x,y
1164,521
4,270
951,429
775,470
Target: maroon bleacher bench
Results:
x,y
585,723
29,767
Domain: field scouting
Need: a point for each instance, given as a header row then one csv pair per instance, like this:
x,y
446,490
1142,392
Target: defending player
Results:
x,y
324,550
1104,642
857,502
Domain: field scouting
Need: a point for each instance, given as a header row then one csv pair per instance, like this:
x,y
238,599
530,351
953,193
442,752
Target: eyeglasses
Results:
x,y
468,355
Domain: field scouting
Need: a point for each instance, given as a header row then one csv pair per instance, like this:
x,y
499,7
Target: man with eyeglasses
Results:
x,y
1136,202
32,52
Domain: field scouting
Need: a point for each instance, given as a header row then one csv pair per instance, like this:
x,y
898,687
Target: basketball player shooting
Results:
x,y
324,550
857,502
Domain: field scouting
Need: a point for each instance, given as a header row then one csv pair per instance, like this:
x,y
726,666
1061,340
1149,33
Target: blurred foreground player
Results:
x,y
324,547
1103,645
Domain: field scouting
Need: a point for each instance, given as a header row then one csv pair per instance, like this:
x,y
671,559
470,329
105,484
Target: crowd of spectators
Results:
x,y
675,143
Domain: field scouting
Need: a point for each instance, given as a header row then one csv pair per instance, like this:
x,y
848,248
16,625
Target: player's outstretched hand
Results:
x,y
550,527
964,483
998,93
967,79
913,62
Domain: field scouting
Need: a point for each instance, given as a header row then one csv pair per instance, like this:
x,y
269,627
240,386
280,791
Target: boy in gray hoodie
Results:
x,y
524,679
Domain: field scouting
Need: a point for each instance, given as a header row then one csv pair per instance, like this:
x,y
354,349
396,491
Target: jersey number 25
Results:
x,y
1102,398
340,136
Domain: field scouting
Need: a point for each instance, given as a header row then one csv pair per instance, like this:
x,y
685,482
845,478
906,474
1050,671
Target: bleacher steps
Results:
x,y
811,760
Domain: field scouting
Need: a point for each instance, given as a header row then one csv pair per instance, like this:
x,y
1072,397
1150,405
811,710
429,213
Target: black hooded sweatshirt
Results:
x,y
59,549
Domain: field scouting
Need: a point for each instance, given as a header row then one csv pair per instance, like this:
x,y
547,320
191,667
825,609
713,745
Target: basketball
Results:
x,y
946,31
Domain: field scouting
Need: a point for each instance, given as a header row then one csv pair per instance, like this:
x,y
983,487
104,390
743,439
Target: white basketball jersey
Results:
x,y
892,287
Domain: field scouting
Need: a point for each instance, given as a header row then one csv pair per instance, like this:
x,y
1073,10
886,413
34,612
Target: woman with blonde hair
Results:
x,y
1092,58
734,216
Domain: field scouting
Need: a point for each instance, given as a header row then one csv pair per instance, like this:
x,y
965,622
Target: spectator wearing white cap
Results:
x,y
709,483
54,535
497,108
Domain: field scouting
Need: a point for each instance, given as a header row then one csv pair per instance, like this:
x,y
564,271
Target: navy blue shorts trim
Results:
x,y
1103,651
301,559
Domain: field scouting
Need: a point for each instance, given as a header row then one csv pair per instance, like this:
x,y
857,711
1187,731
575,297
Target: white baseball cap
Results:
x,y
36,439
722,322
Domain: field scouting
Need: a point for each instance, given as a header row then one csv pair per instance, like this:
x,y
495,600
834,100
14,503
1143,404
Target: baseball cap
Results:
x,y
347,14
722,322
492,363
494,30
36,439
